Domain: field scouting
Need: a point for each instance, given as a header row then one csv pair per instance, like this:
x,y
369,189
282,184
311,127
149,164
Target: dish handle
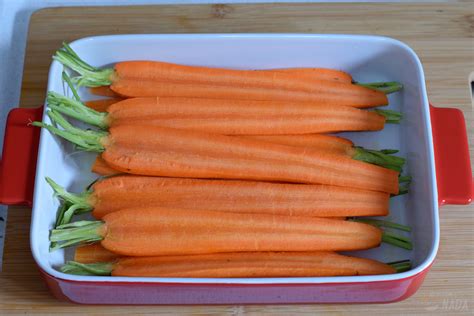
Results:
x,y
451,149
18,162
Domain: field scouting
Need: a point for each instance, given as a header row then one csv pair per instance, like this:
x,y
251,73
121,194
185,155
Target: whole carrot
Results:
x,y
235,265
327,143
153,78
229,117
107,195
157,231
159,151
337,145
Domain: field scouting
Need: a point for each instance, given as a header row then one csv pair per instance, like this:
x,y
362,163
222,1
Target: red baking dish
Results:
x,y
433,140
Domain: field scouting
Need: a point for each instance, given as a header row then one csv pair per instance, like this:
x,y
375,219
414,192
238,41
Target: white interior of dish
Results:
x,y
367,58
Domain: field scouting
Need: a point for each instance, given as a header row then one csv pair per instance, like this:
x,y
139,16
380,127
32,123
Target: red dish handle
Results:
x,y
453,165
18,164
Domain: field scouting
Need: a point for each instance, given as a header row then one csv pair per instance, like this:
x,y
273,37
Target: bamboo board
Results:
x,y
441,34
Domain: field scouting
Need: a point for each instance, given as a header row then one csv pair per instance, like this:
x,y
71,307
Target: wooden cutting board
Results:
x,y
441,34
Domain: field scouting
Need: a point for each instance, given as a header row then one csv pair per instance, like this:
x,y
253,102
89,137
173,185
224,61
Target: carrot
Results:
x,y
155,231
93,253
101,105
235,265
148,88
102,168
233,117
328,143
337,145
317,73
107,195
153,78
160,151
104,91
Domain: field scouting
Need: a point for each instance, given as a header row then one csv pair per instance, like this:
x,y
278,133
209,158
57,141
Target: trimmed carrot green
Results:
x,y
401,266
107,196
157,231
382,223
160,151
235,265
385,87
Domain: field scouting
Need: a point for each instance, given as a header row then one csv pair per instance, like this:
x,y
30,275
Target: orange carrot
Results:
x,y
155,78
133,87
102,105
107,196
157,231
233,117
93,253
101,167
160,151
317,74
237,265
329,143
237,117
104,91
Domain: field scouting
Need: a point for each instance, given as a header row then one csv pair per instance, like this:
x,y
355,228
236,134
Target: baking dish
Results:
x,y
426,133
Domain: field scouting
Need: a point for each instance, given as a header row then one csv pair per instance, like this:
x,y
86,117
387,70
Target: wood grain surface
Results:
x,y
441,34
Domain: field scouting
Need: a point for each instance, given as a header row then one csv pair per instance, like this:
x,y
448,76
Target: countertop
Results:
x,y
435,31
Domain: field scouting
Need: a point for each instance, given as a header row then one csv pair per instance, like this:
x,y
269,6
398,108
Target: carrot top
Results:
x,y
91,76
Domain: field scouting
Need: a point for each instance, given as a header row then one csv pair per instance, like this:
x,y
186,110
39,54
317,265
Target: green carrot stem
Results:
x,y
72,136
89,135
59,216
67,79
76,109
402,189
401,266
385,87
76,233
392,117
397,240
89,76
74,203
73,267
382,223
71,211
69,50
389,151
379,158
404,179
